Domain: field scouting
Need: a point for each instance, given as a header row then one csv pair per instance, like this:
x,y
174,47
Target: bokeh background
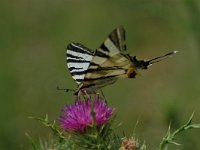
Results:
x,y
33,39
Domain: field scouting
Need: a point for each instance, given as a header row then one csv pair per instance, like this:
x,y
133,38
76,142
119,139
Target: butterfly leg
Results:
x,y
83,94
80,95
103,96
87,95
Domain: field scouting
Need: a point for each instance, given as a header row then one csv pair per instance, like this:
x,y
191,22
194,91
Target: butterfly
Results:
x,y
93,70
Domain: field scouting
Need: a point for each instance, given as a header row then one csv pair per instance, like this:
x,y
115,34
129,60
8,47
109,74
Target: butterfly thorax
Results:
x,y
136,64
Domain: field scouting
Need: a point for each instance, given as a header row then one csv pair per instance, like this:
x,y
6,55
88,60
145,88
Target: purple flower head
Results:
x,y
79,116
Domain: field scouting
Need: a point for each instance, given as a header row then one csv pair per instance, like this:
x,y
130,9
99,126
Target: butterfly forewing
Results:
x,y
78,60
118,38
114,44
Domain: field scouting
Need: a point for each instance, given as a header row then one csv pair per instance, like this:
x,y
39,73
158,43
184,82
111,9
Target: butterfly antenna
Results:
x,y
160,58
66,90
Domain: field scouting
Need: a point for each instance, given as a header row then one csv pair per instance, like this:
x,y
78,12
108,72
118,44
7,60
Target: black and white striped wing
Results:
x,y
116,39
108,63
78,60
110,48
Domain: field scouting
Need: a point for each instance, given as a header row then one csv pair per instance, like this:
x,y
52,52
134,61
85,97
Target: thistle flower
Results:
x,y
85,113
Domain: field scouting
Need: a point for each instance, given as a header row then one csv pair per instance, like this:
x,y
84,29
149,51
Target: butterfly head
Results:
x,y
141,64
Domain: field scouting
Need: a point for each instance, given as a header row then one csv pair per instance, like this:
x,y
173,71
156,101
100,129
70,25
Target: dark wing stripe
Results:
x,y
73,68
94,64
115,39
121,38
100,54
76,47
77,61
94,70
79,54
104,48
72,56
79,80
90,70
100,78
78,72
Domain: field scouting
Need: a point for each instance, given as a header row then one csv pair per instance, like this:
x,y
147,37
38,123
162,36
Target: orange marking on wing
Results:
x,y
130,71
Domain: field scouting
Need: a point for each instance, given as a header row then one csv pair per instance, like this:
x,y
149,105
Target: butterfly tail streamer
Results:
x,y
160,58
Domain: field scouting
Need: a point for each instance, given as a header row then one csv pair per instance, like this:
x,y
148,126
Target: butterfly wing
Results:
x,y
108,62
78,60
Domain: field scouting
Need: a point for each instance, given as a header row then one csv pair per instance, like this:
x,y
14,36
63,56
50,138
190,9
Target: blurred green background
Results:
x,y
33,39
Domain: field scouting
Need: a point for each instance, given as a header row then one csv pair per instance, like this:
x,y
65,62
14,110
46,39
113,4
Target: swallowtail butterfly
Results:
x,y
93,70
